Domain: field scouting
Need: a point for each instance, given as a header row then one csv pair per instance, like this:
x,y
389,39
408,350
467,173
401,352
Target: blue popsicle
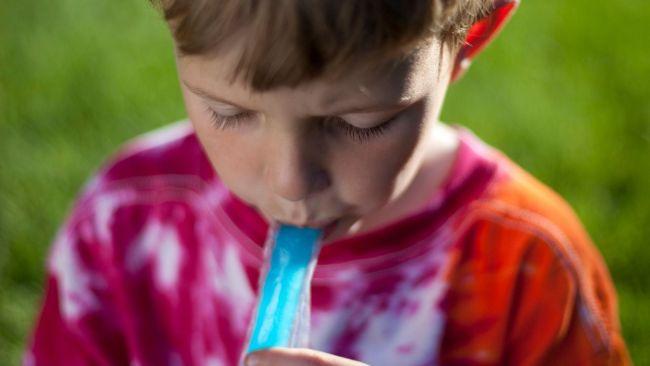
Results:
x,y
283,287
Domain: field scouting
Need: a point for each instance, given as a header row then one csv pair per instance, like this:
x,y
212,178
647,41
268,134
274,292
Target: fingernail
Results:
x,y
252,360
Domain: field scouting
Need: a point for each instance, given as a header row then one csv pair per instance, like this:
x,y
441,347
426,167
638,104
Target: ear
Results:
x,y
481,34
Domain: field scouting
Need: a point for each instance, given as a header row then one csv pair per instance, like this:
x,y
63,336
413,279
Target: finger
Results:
x,y
297,357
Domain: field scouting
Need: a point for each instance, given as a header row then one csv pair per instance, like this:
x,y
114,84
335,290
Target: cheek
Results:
x,y
236,163
234,158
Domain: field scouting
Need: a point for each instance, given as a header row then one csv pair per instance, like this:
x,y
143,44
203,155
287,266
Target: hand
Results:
x,y
280,356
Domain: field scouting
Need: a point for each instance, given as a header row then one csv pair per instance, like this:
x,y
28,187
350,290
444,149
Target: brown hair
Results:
x,y
286,42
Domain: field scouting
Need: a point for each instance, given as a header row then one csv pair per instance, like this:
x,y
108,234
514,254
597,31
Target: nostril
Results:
x,y
321,181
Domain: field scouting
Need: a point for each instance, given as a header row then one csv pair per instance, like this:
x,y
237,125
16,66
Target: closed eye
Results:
x,y
228,121
357,134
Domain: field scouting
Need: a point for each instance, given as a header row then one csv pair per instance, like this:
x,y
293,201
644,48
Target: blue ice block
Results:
x,y
283,287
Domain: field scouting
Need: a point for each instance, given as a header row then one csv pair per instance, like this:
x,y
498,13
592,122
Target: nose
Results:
x,y
293,168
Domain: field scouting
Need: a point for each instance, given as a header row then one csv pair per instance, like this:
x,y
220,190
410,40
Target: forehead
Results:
x,y
394,79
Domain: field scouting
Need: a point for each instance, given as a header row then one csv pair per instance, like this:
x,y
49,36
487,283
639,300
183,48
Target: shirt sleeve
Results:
x,y
524,295
78,323
561,312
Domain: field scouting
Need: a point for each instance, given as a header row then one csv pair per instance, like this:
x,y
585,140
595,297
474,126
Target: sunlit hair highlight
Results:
x,y
287,42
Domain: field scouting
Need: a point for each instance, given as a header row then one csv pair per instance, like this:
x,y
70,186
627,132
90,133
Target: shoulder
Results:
x,y
168,159
517,202
160,179
170,151
528,254
514,205
148,199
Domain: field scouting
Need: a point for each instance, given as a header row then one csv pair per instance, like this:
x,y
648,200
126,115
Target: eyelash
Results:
x,y
223,122
361,135
357,134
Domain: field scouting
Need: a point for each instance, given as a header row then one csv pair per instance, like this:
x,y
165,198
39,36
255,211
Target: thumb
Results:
x,y
280,356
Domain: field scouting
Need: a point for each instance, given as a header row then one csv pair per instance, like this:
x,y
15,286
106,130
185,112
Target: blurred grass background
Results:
x,y
563,91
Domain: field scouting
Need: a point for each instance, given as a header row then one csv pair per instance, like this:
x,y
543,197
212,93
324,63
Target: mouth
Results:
x,y
326,226
329,229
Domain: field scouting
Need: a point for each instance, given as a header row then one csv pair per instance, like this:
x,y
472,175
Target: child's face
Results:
x,y
346,150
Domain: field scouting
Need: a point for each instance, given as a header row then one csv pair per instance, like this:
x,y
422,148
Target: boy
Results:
x,y
438,249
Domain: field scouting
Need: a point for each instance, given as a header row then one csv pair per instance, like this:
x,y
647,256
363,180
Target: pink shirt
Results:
x,y
158,264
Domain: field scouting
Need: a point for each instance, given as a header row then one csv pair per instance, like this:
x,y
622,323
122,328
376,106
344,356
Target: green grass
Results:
x,y
563,91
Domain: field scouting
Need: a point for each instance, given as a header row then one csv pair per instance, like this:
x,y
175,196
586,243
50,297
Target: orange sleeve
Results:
x,y
556,319
592,333
529,287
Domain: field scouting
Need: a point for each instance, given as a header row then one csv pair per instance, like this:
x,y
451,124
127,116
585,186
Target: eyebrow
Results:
x,y
402,103
207,95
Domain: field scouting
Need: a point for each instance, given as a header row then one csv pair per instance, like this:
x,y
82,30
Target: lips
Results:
x,y
327,230
313,224
327,226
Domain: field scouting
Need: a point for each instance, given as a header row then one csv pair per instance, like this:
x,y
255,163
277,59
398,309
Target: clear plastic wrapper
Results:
x,y
282,312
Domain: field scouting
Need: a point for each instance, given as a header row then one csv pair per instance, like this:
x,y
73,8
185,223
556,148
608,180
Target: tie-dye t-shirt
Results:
x,y
158,264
